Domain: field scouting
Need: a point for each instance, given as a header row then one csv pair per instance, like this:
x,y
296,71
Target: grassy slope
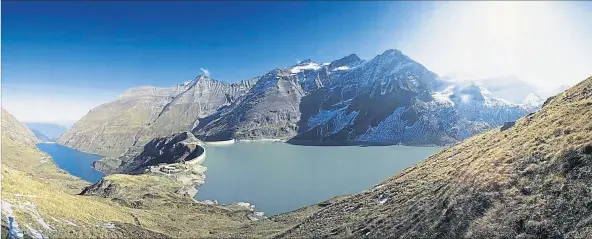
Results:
x,y
533,180
33,184
109,129
20,153
139,206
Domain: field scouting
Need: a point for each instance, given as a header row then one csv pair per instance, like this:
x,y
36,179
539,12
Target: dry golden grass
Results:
x,y
495,184
51,201
37,189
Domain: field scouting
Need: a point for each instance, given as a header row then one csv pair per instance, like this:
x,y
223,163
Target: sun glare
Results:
x,y
535,41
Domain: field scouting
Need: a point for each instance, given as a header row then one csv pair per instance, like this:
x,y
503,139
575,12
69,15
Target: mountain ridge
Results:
x,y
347,100
529,179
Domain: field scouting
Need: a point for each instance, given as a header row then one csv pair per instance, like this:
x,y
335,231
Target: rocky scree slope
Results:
x,y
530,180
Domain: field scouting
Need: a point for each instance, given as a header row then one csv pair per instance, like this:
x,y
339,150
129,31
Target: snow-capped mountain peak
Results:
x,y
533,100
305,65
345,63
304,62
388,99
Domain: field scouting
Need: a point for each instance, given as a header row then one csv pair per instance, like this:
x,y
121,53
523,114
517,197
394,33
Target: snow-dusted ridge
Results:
x,y
389,99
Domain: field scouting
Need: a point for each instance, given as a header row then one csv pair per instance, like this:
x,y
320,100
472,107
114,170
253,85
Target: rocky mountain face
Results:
x,y
389,99
393,99
178,156
382,100
529,179
143,113
177,148
203,97
269,110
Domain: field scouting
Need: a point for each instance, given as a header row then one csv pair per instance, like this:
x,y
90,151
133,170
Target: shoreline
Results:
x,y
321,143
262,140
357,143
220,143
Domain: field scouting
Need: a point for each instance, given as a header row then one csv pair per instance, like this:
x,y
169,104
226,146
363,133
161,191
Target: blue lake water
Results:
x,y
73,161
279,177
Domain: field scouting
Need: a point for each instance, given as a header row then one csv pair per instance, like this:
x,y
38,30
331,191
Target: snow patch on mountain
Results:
x,y
444,95
341,68
389,130
533,99
335,120
306,66
400,67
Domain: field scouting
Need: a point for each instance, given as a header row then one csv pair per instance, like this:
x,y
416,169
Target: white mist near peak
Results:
x,y
305,65
509,88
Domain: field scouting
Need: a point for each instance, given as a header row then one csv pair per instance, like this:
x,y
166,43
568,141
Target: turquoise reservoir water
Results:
x,y
73,161
279,177
276,177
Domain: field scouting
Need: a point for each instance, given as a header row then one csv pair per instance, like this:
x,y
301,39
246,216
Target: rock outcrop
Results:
x,y
181,148
178,156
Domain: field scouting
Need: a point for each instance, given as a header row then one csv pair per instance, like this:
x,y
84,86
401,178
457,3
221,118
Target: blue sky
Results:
x,y
115,45
77,55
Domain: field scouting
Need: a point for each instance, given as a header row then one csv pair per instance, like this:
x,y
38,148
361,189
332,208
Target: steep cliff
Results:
x,y
269,110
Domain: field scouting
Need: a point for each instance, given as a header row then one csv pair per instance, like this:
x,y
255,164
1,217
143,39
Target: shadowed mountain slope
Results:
x,y
531,180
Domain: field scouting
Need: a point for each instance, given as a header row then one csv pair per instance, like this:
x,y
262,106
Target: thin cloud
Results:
x,y
206,72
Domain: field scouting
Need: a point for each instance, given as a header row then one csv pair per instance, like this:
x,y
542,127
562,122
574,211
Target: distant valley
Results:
x,y
46,131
